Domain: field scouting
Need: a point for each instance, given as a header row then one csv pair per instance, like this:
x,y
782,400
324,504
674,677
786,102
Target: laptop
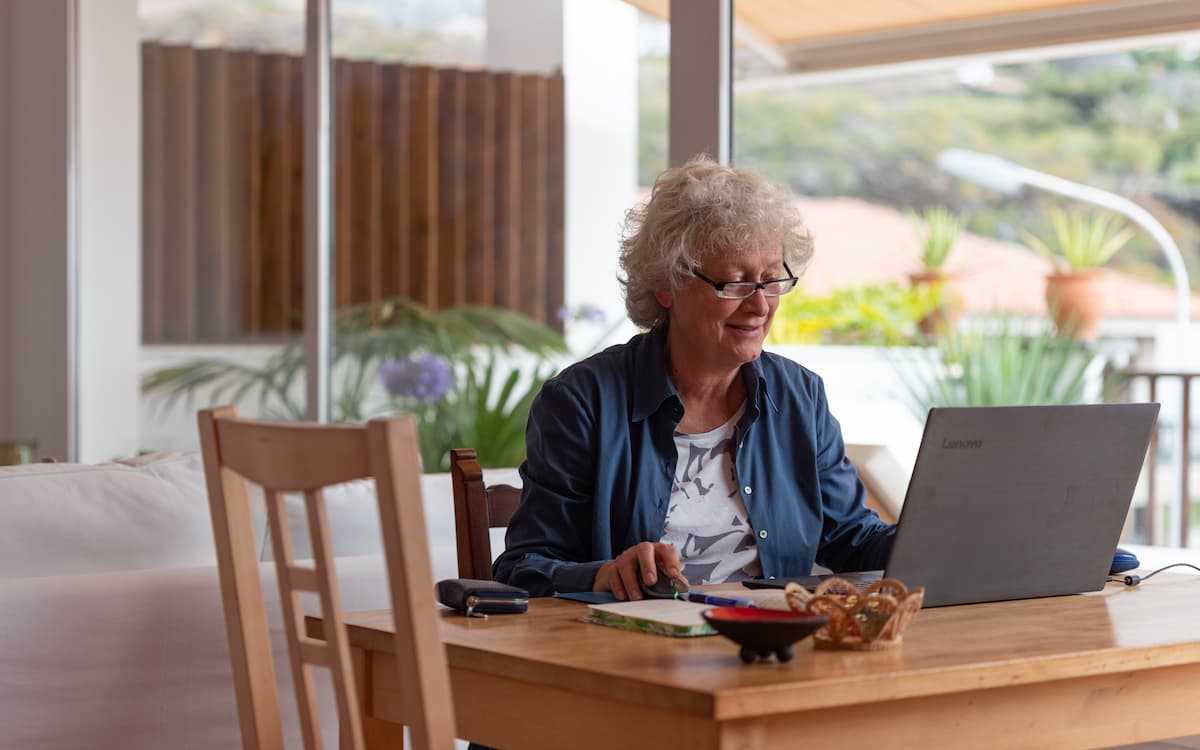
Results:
x,y
1014,502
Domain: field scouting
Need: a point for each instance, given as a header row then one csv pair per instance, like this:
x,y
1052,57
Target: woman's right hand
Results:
x,y
620,575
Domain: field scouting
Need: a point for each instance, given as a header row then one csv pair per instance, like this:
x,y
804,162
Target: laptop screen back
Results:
x,y
1017,502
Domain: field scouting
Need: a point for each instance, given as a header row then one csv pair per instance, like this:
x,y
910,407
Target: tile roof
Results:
x,y
865,243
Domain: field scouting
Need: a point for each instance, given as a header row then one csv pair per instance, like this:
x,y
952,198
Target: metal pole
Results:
x,y
318,216
1177,521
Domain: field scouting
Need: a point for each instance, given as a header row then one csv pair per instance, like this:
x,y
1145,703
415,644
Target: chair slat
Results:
x,y
303,579
293,626
314,652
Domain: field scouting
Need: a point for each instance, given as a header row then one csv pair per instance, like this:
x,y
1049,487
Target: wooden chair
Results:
x,y
306,458
477,509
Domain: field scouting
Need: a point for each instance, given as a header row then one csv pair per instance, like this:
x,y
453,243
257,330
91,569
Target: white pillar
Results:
x,y
48,272
601,81
109,241
524,36
701,80
595,45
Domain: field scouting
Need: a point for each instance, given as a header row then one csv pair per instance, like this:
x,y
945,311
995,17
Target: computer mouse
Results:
x,y
1122,561
664,586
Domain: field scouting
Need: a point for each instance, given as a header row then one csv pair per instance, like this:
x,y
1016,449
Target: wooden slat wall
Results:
x,y
245,188
153,197
177,269
448,189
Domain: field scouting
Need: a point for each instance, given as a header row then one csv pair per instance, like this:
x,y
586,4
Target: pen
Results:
x,y
720,601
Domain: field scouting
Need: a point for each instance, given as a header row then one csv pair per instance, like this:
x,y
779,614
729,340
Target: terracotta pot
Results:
x,y
1077,300
944,319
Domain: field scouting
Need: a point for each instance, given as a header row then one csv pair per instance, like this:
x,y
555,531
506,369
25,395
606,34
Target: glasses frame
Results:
x,y
758,286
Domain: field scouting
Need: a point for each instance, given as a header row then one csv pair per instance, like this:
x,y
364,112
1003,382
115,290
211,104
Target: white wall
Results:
x,y
524,36
109,229
600,74
37,281
595,45
5,313
33,56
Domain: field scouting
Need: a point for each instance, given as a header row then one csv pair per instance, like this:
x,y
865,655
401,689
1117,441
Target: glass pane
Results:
x,y
222,212
867,153
465,248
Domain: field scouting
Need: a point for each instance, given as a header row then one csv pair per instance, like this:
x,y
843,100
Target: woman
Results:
x,y
689,449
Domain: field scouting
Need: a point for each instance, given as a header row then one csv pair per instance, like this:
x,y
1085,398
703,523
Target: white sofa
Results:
x,y
111,629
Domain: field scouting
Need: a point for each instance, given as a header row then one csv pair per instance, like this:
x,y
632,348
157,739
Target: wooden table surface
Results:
x,y
1122,665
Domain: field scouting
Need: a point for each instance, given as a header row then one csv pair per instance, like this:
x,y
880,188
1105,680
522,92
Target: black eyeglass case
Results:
x,y
475,598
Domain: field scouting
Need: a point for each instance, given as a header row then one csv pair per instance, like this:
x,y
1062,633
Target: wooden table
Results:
x,y
1117,666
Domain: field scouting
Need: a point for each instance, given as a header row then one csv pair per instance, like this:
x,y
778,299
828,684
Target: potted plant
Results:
x,y
1079,246
937,230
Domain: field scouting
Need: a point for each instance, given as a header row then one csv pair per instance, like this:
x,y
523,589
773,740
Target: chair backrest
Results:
x,y
305,458
885,479
477,509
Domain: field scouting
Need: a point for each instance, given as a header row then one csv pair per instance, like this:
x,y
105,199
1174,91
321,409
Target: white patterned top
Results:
x,y
706,519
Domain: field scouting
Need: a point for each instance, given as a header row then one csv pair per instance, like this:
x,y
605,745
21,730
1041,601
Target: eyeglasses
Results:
x,y
744,289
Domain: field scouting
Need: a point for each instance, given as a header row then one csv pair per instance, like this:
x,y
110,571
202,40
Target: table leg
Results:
x,y
376,732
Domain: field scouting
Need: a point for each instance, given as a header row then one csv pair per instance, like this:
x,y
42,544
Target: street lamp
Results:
x,y
1007,178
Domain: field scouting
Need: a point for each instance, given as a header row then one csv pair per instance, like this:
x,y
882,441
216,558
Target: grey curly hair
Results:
x,y
695,211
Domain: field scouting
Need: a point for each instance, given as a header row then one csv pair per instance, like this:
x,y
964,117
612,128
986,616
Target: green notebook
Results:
x,y
657,616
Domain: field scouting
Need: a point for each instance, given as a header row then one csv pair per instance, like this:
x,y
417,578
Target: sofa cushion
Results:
x,y
354,520
67,519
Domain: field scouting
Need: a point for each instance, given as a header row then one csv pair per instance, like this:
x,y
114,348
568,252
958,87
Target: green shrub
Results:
x,y
878,315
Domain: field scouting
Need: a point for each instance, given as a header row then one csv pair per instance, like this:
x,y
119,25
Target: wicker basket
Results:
x,y
867,620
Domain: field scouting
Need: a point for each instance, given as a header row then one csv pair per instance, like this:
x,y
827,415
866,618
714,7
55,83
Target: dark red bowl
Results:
x,y
762,632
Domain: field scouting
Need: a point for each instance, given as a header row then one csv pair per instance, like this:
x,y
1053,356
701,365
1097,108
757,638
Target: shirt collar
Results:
x,y
654,386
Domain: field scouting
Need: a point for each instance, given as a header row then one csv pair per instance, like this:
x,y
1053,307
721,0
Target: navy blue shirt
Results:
x,y
601,461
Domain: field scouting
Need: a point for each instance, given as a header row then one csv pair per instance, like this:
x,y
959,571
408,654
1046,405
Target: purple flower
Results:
x,y
424,378
585,312
593,314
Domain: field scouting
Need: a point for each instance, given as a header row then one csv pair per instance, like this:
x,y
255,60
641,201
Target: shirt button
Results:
x,y
762,534
747,490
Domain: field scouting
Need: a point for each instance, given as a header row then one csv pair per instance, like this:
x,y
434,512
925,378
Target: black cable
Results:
x,y
1135,580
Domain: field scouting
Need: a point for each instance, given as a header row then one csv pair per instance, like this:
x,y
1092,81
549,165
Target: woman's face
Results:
x,y
719,335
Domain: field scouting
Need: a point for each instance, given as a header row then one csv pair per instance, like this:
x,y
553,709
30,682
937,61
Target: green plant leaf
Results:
x,y
365,336
1008,366
937,230
1081,241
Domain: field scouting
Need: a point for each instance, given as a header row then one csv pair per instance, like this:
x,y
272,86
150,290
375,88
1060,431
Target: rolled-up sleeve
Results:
x,y
853,537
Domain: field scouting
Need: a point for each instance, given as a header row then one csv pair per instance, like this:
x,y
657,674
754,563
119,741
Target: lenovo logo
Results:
x,y
962,444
